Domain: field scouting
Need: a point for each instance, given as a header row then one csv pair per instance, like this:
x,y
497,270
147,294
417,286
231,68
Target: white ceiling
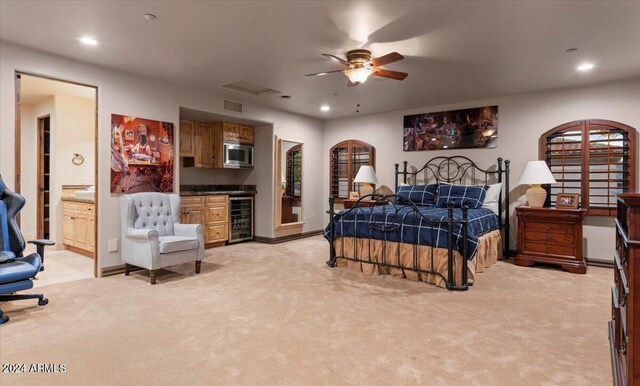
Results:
x,y
35,89
455,51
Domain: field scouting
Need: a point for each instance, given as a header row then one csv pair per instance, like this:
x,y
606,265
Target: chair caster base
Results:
x,y
4,319
43,302
42,268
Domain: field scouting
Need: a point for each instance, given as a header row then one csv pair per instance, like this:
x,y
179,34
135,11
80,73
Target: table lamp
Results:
x,y
366,176
536,173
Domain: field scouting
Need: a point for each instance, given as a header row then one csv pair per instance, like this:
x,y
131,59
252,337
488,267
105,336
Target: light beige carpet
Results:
x,y
276,315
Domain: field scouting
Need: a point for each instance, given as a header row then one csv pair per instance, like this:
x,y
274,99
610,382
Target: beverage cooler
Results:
x,y
240,219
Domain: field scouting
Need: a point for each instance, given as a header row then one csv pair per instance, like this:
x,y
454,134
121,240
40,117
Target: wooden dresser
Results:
x,y
550,236
624,328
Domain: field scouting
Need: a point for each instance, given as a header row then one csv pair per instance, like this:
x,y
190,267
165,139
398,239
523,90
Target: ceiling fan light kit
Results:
x,y
361,66
358,75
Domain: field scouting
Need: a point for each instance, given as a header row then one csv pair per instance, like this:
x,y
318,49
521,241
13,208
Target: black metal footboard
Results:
x,y
389,227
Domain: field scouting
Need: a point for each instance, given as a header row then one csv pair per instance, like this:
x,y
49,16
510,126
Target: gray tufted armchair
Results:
x,y
152,237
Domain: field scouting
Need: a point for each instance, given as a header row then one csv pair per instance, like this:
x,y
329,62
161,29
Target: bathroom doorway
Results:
x,y
56,159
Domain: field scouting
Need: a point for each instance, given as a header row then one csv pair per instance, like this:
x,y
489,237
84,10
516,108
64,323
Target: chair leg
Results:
x,y
198,262
126,269
3,318
152,276
42,301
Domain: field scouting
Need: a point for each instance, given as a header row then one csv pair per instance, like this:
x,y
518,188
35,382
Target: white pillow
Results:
x,y
492,197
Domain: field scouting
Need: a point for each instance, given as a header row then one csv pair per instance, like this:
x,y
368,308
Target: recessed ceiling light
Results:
x,y
285,96
150,16
88,40
572,50
325,108
585,67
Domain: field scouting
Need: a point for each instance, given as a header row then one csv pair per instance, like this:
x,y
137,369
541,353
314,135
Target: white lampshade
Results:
x,y
366,175
535,173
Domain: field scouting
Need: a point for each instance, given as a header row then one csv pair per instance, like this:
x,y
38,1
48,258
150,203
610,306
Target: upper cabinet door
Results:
x,y
203,137
246,134
230,132
187,146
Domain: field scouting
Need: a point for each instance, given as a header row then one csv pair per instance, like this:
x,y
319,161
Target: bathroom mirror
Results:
x,y
288,184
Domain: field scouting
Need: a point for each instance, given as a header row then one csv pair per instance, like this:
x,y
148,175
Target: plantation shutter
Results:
x,y
593,158
346,159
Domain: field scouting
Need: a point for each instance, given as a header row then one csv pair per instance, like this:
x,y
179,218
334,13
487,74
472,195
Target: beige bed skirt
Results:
x,y
488,252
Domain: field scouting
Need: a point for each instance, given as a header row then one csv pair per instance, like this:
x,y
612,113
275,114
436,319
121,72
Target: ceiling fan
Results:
x,y
361,66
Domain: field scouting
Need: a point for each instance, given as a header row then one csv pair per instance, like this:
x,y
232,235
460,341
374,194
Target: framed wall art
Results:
x,y
456,129
141,155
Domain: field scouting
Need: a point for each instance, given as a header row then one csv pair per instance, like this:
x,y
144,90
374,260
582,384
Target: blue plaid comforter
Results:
x,y
401,224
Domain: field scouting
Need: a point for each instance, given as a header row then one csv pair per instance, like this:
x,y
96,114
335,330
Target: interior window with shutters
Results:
x,y
346,159
592,158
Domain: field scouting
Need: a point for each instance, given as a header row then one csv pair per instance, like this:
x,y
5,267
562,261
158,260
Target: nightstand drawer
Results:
x,y
556,238
533,227
549,248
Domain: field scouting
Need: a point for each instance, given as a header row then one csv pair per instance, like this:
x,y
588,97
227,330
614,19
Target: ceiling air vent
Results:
x,y
232,106
250,89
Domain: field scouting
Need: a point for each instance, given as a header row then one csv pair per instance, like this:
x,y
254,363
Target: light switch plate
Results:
x,y
113,245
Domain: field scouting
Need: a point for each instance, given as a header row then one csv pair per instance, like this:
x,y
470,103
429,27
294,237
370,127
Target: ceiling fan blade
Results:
x,y
337,59
323,73
386,59
397,75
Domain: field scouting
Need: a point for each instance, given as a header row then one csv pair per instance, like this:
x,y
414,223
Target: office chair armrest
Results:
x,y
40,244
43,242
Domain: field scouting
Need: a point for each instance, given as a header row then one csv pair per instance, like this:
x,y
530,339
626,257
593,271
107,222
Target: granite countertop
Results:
x,y
78,199
210,190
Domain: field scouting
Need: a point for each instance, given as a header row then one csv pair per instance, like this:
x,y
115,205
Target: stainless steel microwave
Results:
x,y
237,156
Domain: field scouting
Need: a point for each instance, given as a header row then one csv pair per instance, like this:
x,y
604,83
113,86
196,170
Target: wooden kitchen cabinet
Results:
x,y
203,141
192,210
235,132
78,226
212,212
217,219
187,146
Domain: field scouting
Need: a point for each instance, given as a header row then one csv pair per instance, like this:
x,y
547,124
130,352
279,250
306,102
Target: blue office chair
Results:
x,y
17,272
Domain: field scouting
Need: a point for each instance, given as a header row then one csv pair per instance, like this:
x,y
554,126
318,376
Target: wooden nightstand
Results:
x,y
348,203
551,236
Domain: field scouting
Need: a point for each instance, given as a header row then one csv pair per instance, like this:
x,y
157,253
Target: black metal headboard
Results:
x,y
458,169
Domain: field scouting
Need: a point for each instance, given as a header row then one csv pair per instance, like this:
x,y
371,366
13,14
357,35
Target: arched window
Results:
x,y
346,158
593,158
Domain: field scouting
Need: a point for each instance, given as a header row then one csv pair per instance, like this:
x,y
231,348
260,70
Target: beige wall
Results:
x,y
523,118
129,94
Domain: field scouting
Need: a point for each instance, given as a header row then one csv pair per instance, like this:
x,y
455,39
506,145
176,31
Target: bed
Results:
x,y
436,227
